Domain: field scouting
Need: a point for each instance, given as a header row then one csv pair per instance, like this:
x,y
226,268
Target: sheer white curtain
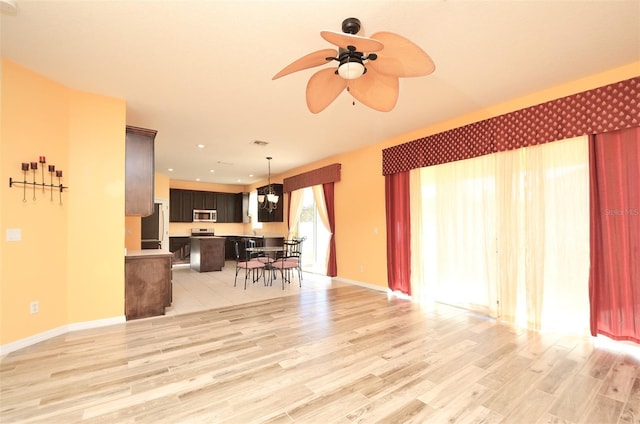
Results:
x,y
420,289
321,207
507,235
458,234
543,205
295,210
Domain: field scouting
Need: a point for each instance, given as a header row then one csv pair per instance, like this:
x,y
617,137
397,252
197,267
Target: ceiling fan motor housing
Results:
x,y
351,26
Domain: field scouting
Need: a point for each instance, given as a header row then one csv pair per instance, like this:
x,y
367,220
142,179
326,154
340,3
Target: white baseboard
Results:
x,y
386,290
37,338
361,284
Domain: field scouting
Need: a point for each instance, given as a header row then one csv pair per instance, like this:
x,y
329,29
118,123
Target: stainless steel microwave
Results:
x,y
200,215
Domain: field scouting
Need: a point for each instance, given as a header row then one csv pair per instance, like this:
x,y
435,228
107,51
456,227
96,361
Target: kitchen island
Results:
x,y
207,253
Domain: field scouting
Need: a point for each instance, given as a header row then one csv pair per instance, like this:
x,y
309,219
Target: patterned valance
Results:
x,y
327,174
609,108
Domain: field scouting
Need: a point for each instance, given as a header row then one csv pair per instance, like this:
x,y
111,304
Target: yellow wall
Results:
x,y
161,188
70,256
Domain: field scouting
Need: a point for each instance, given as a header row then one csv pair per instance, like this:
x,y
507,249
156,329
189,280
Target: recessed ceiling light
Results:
x,y
197,179
170,169
212,170
250,175
200,146
8,7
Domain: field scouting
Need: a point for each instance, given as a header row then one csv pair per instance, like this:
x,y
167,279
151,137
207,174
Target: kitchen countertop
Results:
x,y
231,235
146,253
250,235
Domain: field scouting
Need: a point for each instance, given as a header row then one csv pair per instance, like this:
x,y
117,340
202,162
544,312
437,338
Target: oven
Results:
x,y
202,232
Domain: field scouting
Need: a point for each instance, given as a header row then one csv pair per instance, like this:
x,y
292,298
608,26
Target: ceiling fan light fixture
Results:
x,y
351,70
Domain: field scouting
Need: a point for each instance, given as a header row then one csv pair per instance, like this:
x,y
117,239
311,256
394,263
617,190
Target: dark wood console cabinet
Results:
x,y
148,288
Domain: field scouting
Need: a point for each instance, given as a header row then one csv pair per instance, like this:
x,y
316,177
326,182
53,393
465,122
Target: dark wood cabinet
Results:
x,y
206,200
275,215
238,210
139,171
180,205
183,202
227,208
229,248
180,247
148,289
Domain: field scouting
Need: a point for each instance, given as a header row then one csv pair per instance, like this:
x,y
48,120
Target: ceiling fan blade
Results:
x,y
362,44
376,90
323,88
309,61
400,57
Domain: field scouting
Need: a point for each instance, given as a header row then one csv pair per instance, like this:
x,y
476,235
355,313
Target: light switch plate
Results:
x,y
14,234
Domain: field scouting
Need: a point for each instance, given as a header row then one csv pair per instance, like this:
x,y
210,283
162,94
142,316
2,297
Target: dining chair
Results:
x,y
249,266
290,261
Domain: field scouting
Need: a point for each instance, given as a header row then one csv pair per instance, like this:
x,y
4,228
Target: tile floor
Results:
x,y
197,291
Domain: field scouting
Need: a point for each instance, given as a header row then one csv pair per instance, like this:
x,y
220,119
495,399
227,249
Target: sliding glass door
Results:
x,y
316,243
507,235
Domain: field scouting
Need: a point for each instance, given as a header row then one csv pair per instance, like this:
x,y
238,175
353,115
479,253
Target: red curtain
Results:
x,y
398,232
614,280
329,200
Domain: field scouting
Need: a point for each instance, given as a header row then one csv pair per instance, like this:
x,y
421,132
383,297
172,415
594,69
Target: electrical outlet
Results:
x,y
34,307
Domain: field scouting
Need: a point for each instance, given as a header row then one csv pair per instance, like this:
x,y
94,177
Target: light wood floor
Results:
x,y
333,353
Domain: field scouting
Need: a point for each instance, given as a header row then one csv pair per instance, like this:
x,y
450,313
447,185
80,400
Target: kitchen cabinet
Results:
x,y
183,202
275,215
148,288
206,200
229,210
180,205
139,171
180,246
238,210
273,241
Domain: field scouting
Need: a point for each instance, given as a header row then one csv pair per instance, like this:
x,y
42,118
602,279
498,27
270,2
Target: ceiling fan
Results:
x,y
369,67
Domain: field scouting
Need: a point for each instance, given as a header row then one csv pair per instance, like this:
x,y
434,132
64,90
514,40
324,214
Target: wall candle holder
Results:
x,y
26,166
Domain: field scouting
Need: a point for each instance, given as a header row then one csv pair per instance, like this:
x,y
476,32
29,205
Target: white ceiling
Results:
x,y
200,71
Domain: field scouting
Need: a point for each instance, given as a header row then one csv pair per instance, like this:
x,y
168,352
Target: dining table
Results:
x,y
271,252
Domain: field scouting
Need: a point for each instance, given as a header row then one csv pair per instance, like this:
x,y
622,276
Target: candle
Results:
x,y
25,166
42,159
34,165
52,168
59,173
